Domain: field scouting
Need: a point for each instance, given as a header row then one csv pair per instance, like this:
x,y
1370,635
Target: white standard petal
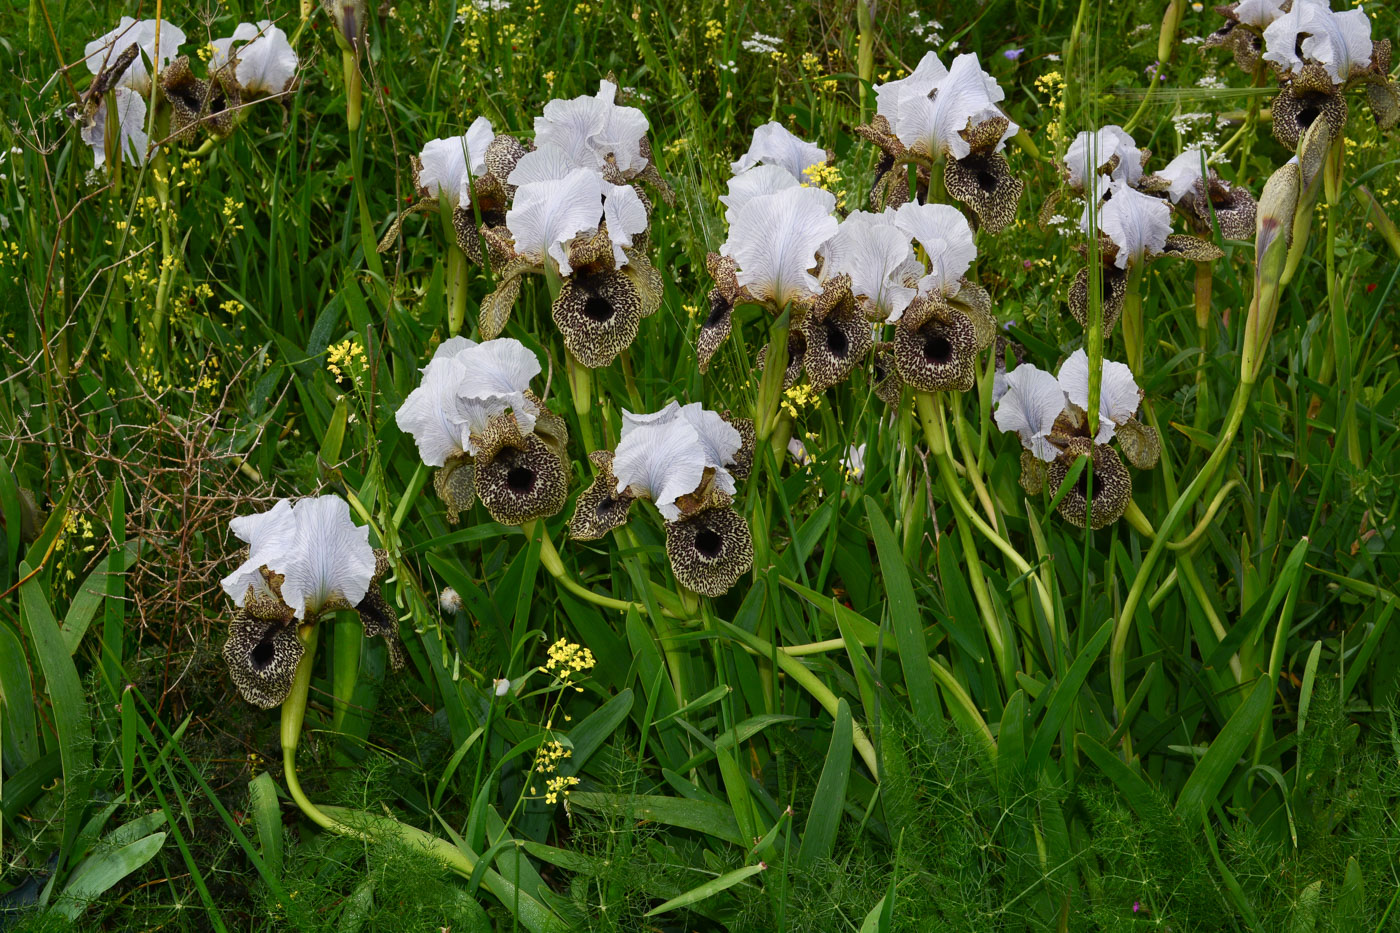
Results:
x,y
757,181
720,439
548,162
590,129
102,51
1118,391
479,136
434,413
266,60
132,141
774,144
631,421
268,536
547,215
1259,13
774,241
876,254
1337,41
444,166
331,559
921,83
967,95
452,346
1137,223
946,236
1033,400
503,366
661,461
626,216
1091,151
1183,172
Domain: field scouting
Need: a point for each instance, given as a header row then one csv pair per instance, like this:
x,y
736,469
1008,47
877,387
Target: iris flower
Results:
x,y
196,102
469,172
102,52
474,417
1048,414
304,560
1198,195
131,143
262,60
685,459
775,145
949,116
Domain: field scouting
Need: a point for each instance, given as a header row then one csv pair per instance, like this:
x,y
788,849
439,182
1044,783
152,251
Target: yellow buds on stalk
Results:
x,y
1273,230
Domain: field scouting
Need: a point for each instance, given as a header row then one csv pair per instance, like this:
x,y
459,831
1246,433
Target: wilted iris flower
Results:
x,y
131,143
1199,194
685,459
474,417
102,52
304,560
261,60
1048,414
199,102
948,116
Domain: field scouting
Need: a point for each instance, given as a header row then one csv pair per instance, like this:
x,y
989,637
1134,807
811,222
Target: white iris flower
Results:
x,y
1259,13
757,181
449,164
946,236
874,250
1339,42
1092,151
132,142
1137,223
1183,172
774,144
266,60
103,51
966,96
774,239
663,455
1118,392
593,132
1032,401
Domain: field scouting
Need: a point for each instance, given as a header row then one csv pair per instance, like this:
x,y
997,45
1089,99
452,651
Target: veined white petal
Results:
x,y
631,421
1033,400
268,536
757,181
661,461
448,163
547,215
547,162
1337,41
875,252
435,413
1137,223
854,463
626,216
889,97
266,60
132,141
104,50
944,233
967,95
331,559
503,366
774,241
1183,172
773,144
720,439
1258,13
1091,151
452,346
589,129
1118,392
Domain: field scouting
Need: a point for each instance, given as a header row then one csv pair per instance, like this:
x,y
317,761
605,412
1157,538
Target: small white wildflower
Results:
x,y
450,600
502,686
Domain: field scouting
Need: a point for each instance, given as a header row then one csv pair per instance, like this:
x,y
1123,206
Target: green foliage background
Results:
x,y
1243,798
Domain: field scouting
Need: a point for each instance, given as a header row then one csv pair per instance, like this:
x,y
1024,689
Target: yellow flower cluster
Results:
x,y
346,360
567,659
799,397
559,785
714,29
549,755
828,176
1052,85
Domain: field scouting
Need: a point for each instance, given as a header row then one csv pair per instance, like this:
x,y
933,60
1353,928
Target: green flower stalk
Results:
x,y
349,17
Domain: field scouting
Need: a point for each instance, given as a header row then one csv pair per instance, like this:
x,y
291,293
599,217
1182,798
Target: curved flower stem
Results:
x,y
974,472
457,278
552,562
293,714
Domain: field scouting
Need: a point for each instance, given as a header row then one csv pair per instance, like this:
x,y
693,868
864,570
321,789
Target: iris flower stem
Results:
x,y
581,389
456,289
936,434
865,55
354,90
1133,326
552,562
293,714
1205,278
974,471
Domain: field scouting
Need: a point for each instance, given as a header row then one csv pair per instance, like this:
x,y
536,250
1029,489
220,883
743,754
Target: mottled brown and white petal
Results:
x,y
1113,287
519,478
1112,486
455,484
262,655
710,550
939,354
598,315
986,184
600,508
1139,443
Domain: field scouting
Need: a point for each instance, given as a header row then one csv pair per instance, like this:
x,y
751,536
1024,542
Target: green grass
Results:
x,y
1196,737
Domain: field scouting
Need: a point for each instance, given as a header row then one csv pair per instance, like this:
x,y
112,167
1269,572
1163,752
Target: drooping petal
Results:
x,y
102,51
1182,173
889,97
875,253
836,335
518,477
1091,152
593,130
600,508
1137,223
132,141
774,144
1340,42
269,535
710,551
660,461
774,241
1112,486
944,233
262,657
757,181
1113,292
266,61
598,315
626,216
937,352
1033,400
547,215
1258,13
1118,391
934,126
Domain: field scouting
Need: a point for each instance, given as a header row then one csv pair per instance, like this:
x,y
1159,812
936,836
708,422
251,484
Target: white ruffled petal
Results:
x,y
1258,13
266,60
1183,172
1033,400
547,215
774,241
452,346
967,95
479,136
102,51
757,181
435,414
1137,223
627,218
720,439
889,97
444,164
661,461
876,254
132,141
269,535
773,144
1340,42
503,366
632,421
589,129
1091,151
1118,391
331,559
946,236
